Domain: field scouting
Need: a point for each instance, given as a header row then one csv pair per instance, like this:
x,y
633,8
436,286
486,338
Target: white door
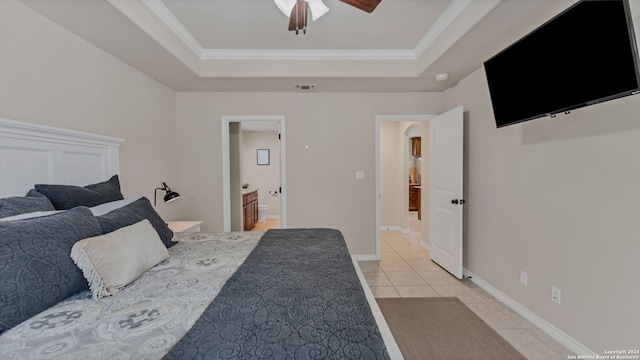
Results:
x,y
445,190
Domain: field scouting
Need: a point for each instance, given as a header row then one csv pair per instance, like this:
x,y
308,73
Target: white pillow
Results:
x,y
111,261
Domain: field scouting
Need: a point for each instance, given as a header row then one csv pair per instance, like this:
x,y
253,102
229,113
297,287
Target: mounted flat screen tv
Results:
x,y
585,55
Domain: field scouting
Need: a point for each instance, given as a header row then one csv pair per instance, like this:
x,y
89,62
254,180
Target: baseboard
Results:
x,y
365,257
272,216
393,228
542,324
389,341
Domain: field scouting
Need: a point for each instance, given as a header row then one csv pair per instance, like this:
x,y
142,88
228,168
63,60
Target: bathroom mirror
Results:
x,y
263,156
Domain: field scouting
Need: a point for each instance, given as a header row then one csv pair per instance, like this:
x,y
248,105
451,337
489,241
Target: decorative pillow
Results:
x,y
65,197
21,205
36,269
110,262
131,214
36,194
112,205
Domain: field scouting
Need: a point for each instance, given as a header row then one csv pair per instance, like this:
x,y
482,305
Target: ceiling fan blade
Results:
x,y
298,18
364,5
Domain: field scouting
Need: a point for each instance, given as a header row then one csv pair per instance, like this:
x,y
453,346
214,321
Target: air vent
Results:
x,y
305,87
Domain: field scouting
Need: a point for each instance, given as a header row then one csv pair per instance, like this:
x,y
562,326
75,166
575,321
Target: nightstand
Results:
x,y
184,226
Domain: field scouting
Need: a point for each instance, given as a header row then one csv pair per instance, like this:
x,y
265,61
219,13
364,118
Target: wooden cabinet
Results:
x,y
415,146
250,209
414,198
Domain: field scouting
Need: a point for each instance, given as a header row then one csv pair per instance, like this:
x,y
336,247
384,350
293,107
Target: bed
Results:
x,y
75,285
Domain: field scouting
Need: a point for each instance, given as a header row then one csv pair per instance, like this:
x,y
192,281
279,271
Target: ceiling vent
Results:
x,y
305,87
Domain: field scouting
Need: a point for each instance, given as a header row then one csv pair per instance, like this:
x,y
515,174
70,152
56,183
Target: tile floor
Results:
x,y
405,270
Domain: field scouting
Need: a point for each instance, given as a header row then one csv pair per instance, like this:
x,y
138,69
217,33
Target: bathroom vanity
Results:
x,y
249,209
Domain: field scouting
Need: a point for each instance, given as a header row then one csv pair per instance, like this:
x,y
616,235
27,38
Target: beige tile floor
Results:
x,y
405,270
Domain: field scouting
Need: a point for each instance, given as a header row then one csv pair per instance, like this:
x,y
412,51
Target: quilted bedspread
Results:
x,y
296,296
145,319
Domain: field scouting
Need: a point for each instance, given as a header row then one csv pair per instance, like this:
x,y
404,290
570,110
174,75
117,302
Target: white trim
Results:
x,y
542,324
21,130
444,24
455,8
285,54
365,257
226,186
167,17
393,228
389,341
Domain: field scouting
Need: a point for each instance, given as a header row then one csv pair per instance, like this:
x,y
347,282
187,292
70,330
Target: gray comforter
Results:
x,y
296,296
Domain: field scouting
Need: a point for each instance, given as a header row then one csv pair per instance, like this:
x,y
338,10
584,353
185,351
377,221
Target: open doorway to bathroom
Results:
x,y
253,173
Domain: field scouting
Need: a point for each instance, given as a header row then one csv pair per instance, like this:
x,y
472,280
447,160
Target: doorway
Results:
x,y
394,179
253,159
441,228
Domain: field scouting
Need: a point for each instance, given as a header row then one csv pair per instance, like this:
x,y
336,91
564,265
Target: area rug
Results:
x,y
442,328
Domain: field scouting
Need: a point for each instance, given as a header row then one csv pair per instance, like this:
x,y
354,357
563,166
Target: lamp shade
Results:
x,y
168,197
171,196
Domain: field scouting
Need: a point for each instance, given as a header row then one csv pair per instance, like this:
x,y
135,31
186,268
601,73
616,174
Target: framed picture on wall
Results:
x,y
263,156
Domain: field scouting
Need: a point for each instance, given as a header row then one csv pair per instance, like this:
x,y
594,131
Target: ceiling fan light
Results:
x,y
318,8
286,6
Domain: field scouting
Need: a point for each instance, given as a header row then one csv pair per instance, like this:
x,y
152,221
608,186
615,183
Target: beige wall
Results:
x,y
560,199
321,187
392,200
50,76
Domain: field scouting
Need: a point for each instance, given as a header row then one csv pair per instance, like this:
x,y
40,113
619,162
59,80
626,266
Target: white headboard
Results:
x,y
36,154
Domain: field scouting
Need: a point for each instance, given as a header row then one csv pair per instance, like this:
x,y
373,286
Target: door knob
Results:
x,y
454,201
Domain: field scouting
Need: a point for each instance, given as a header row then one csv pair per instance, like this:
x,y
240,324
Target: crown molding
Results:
x,y
167,17
450,13
448,28
245,54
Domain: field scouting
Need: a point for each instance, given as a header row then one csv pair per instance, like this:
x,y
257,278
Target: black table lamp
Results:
x,y
169,197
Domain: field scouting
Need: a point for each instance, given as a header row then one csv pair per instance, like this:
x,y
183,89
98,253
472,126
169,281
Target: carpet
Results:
x,y
442,328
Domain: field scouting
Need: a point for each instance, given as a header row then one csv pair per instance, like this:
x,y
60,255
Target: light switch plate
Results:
x,y
359,175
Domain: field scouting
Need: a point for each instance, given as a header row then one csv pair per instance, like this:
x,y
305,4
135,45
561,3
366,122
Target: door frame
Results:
x,y
379,119
226,166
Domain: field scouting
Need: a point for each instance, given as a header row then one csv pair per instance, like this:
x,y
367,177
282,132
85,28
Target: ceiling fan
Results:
x,y
297,10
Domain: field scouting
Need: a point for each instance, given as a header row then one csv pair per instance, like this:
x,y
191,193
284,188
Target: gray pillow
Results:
x,y
36,269
36,194
132,213
21,205
65,197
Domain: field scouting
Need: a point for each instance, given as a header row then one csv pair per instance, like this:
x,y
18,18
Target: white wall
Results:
x,y
50,76
560,199
322,191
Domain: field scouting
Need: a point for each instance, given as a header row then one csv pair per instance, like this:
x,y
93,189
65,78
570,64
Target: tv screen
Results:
x,y
585,55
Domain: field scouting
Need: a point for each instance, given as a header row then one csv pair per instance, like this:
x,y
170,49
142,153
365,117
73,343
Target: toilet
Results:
x,y
262,212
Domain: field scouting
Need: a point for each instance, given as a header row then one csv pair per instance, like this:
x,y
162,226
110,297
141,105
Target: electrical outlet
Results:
x,y
555,294
523,278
